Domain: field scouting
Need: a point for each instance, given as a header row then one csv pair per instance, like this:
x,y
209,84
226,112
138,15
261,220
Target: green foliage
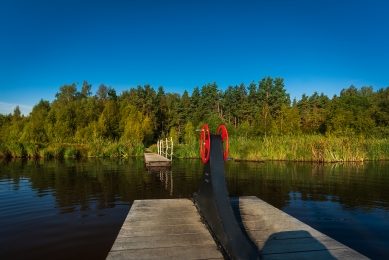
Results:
x,y
96,147
174,135
57,150
259,118
16,149
33,150
86,134
191,150
244,130
190,134
134,125
4,152
71,152
288,121
108,124
46,153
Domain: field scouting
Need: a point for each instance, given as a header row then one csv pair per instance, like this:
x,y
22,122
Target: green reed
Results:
x,y
96,148
120,148
33,150
317,148
16,149
190,150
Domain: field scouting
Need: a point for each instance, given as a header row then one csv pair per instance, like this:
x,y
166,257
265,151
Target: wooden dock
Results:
x,y
155,160
164,229
172,229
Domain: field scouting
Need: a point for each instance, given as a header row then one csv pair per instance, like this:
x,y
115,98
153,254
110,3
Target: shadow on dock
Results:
x,y
278,235
296,244
280,245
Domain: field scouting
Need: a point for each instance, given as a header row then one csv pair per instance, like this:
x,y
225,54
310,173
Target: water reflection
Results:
x,y
167,178
57,202
354,185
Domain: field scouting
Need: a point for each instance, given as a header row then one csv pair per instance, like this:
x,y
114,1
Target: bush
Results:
x,y
33,150
16,149
72,152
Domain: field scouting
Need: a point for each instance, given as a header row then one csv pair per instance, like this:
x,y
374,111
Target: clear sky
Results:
x,y
315,45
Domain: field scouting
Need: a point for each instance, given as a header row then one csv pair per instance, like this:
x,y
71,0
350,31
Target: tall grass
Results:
x,y
33,150
58,150
121,148
190,150
4,152
46,153
316,148
71,152
96,148
16,149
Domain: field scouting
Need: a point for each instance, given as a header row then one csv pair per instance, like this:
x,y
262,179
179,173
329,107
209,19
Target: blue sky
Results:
x,y
315,45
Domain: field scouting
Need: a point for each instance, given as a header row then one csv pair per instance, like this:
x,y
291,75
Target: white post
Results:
x,y
171,152
167,147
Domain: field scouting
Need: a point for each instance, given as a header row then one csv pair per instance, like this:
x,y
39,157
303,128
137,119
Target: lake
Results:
x,y
74,208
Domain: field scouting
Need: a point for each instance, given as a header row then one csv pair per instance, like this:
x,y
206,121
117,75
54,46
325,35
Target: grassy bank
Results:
x,y
97,148
317,148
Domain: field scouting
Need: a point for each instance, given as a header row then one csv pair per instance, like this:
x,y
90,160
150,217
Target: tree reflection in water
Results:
x,y
82,203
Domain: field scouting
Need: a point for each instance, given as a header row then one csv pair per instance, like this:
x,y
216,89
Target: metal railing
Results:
x,y
165,148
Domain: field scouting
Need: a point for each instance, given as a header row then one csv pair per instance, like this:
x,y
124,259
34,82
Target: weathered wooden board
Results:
x,y
173,229
164,229
280,236
155,160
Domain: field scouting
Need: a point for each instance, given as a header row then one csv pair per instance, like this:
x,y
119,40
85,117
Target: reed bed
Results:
x,y
312,148
96,148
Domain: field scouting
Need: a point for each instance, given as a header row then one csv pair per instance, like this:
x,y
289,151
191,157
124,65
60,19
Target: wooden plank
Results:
x,y
180,240
193,252
164,229
147,230
173,229
280,236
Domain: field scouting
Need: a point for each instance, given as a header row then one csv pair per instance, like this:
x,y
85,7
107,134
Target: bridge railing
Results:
x,y
165,148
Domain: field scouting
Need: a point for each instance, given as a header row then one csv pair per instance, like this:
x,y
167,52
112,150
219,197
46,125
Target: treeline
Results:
x,y
141,115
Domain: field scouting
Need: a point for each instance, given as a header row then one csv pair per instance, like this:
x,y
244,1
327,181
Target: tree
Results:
x,y
174,135
35,129
135,126
67,93
252,99
190,134
272,93
108,123
263,123
185,105
244,129
17,114
242,107
288,121
161,113
86,89
196,113
228,103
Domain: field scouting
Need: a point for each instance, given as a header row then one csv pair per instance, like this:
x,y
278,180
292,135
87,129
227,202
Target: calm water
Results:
x,y
73,209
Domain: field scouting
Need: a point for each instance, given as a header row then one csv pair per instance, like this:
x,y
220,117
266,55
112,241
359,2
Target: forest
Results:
x,y
262,121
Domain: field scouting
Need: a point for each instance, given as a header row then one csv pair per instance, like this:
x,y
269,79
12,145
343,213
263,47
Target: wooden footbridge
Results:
x,y
163,159
156,160
214,226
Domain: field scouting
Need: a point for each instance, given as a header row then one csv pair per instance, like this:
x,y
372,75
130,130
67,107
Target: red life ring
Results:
x,y
223,131
205,143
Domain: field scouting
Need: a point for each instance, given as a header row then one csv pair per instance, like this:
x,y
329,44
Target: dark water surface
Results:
x,y
73,209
